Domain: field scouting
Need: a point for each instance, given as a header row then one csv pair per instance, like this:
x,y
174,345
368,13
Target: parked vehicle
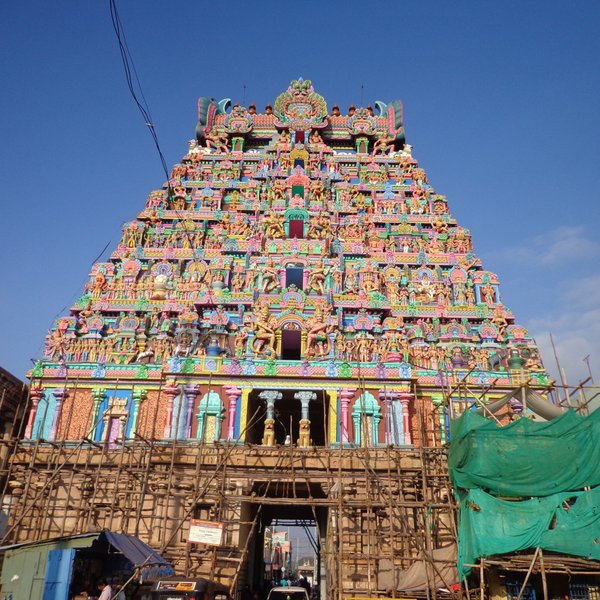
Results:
x,y
288,593
176,588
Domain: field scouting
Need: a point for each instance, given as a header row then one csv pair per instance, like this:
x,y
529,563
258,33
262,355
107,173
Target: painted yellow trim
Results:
x,y
333,415
244,413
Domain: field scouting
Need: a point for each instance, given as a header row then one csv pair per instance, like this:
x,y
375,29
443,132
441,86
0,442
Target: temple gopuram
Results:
x,y
281,335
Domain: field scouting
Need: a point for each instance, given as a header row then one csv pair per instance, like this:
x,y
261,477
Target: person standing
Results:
x,y
121,590
106,592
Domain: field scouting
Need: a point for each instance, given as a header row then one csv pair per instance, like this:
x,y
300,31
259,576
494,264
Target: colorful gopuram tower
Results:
x,y
296,287
297,259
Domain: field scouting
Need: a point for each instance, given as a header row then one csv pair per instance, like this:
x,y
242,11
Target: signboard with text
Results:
x,y
205,532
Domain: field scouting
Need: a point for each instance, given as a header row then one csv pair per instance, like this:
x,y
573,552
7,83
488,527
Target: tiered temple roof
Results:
x,y
296,251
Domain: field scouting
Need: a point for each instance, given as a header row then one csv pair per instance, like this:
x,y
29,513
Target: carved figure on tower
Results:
x,y
218,140
265,324
270,277
316,144
316,278
273,224
383,144
317,341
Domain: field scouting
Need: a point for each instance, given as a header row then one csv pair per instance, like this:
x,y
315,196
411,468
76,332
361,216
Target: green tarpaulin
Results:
x,y
525,458
565,522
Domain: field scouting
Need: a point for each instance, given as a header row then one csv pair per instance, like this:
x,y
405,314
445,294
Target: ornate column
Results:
x,y
171,389
191,392
35,394
234,394
305,274
138,396
305,397
270,397
387,398
60,394
438,402
405,399
244,412
345,395
97,397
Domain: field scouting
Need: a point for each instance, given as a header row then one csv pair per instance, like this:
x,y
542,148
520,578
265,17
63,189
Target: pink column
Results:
x,y
191,393
345,395
405,399
233,393
171,390
305,278
60,395
36,394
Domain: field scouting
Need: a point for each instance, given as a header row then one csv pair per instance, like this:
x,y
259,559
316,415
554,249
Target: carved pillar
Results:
x,y
376,418
270,397
191,392
388,398
244,412
438,402
405,399
304,440
303,348
171,389
138,396
35,394
345,395
60,394
97,396
234,394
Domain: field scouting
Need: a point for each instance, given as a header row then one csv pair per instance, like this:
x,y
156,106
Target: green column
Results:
x,y
438,403
138,396
97,396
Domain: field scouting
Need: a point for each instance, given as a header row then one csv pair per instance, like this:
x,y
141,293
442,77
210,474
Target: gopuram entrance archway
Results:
x,y
284,524
284,417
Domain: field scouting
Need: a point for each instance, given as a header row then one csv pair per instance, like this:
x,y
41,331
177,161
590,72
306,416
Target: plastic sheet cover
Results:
x,y
566,522
525,458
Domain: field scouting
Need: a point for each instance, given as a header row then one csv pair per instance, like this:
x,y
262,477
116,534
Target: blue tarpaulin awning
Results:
x,y
152,565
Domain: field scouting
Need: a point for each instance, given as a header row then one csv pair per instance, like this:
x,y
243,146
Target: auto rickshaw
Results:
x,y
176,588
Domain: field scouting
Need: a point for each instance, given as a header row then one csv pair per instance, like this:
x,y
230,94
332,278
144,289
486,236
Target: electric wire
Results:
x,y
130,73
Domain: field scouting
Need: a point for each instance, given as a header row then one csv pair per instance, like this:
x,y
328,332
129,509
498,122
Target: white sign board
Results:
x,y
205,532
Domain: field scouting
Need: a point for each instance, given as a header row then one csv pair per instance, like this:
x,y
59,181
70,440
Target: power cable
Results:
x,y
130,73
131,76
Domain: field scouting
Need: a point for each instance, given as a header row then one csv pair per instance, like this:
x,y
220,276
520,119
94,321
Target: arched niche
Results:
x,y
366,415
210,417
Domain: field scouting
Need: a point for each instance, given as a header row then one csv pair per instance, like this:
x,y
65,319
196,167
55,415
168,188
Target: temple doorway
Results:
x,y
294,275
287,413
296,229
318,412
291,344
286,539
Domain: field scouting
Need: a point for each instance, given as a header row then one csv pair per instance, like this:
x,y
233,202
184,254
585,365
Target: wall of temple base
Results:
x,y
373,505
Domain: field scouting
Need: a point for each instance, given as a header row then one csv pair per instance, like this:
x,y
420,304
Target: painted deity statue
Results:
x,y
383,144
317,277
264,331
317,341
273,225
218,140
270,277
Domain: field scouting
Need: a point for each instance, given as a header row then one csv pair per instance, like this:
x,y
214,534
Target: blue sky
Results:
x,y
502,105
